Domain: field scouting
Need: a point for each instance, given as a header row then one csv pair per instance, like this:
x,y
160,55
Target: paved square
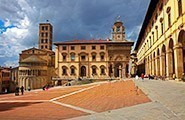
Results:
x,y
71,102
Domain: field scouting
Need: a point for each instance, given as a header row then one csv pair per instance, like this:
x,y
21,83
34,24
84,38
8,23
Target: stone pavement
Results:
x,y
168,103
70,102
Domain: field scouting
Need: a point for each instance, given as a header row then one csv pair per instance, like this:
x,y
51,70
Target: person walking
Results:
x,y
17,91
22,90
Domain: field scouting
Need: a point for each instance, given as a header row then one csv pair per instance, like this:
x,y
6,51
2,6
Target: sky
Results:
x,y
71,19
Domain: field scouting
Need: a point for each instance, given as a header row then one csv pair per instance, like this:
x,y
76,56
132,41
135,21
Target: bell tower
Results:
x,y
118,30
45,36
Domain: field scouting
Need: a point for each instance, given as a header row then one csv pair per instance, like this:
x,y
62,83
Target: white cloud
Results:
x,y
78,17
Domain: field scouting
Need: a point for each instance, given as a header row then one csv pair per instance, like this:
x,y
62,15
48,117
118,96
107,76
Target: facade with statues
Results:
x,y
161,43
100,59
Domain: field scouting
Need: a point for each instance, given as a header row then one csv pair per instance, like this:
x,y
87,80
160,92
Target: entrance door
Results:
x,y
83,71
118,70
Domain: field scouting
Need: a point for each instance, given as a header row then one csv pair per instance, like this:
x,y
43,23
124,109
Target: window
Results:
x,y
83,57
94,70
72,47
72,70
46,34
169,19
83,47
101,47
42,34
102,68
42,41
64,57
46,28
42,47
102,54
153,37
93,47
42,27
162,26
46,46
156,27
180,7
64,47
102,57
93,57
72,57
64,71
46,41
102,71
169,16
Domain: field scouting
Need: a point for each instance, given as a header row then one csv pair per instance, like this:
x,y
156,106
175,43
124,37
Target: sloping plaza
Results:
x,y
109,100
71,101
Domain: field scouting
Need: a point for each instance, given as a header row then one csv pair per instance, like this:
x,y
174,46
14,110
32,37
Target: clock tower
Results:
x,y
118,30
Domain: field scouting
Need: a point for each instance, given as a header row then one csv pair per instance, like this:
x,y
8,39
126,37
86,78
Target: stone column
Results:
x,y
169,64
150,67
146,67
120,74
154,67
157,66
113,70
162,64
178,55
123,70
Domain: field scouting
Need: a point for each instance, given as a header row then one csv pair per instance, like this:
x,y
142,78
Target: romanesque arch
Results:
x,y
118,70
181,41
154,64
170,59
163,61
157,62
83,71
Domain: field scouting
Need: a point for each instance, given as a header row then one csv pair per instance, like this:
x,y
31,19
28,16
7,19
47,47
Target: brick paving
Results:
x,y
108,96
70,102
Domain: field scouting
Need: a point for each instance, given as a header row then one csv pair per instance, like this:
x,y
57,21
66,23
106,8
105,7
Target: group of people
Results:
x,y
17,90
22,90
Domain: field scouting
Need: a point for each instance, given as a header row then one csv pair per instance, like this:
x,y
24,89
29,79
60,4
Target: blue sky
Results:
x,y
71,19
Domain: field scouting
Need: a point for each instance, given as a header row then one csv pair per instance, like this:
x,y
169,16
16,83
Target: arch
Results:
x,y
83,71
171,57
158,52
118,69
181,37
93,53
119,58
64,70
102,70
72,70
163,50
163,60
181,42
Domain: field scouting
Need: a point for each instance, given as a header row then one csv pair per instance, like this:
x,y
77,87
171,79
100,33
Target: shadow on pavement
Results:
x,y
13,105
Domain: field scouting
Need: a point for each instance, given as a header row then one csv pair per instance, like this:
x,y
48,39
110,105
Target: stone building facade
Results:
x,y
161,43
5,79
100,59
36,68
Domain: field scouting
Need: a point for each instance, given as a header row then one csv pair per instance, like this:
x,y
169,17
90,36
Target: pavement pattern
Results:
x,y
72,102
168,103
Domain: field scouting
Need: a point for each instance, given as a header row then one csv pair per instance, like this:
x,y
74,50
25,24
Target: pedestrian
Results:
x,y
142,76
29,89
16,91
22,90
